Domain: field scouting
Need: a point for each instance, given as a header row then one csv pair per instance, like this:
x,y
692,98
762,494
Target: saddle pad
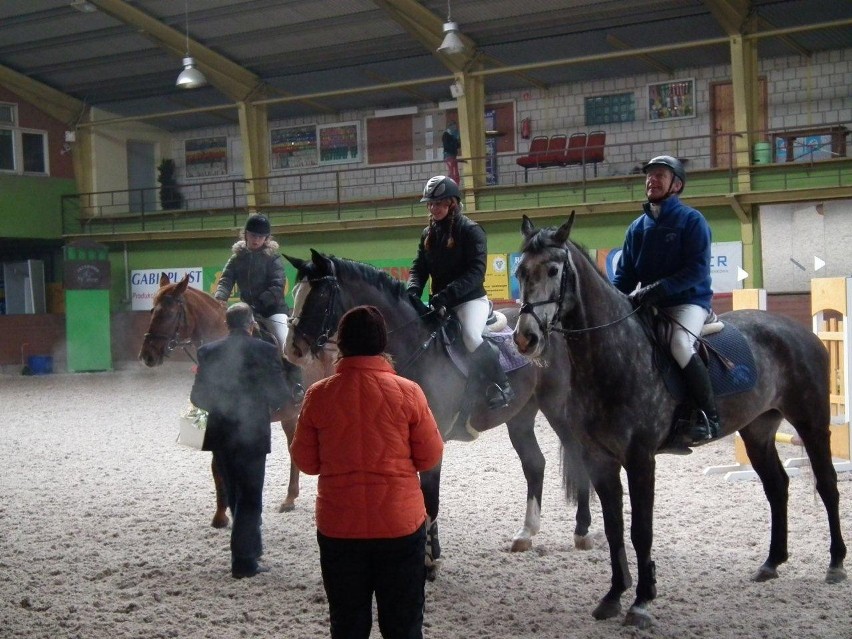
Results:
x,y
510,358
730,344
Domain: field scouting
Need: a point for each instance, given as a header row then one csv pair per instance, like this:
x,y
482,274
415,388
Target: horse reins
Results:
x,y
174,340
546,328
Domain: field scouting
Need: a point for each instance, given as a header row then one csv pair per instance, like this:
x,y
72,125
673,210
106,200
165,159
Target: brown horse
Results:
x,y
182,317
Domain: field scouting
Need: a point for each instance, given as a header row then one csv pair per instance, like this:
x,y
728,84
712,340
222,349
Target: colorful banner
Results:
x,y
497,277
144,283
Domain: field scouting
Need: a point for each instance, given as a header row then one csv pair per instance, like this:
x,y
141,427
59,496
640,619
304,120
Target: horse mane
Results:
x,y
372,275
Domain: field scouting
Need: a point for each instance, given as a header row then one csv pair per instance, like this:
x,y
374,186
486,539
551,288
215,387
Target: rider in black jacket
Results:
x,y
453,252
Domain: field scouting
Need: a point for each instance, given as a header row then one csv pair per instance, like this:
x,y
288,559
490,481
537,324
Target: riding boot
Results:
x,y
293,377
486,360
697,379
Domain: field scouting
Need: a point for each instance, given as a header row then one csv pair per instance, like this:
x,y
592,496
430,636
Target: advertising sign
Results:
x,y
144,283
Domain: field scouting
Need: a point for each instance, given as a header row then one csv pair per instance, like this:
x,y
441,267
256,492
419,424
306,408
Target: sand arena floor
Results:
x,y
106,535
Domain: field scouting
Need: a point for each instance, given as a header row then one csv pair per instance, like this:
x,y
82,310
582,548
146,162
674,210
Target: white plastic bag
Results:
x,y
193,422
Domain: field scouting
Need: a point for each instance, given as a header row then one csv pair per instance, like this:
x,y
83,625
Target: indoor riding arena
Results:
x,y
147,146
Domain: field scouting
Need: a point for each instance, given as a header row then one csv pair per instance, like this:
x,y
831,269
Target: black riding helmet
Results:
x,y
258,224
675,165
440,187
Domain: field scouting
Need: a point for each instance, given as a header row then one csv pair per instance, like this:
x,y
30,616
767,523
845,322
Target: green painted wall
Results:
x,y
31,206
594,231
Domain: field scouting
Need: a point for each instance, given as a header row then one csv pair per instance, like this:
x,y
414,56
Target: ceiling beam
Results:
x,y
794,46
730,14
56,104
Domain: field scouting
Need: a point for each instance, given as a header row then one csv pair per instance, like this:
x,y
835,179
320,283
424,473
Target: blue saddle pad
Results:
x,y
510,358
730,361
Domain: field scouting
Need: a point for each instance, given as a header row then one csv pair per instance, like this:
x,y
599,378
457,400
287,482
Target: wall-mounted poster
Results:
x,y
294,147
671,100
207,157
339,143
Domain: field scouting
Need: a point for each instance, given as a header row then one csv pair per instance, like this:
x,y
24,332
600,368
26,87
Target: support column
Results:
x,y
254,131
472,130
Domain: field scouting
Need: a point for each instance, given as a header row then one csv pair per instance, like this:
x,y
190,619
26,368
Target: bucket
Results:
x,y
40,364
762,153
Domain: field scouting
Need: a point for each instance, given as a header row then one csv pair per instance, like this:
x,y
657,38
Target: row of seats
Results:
x,y
562,150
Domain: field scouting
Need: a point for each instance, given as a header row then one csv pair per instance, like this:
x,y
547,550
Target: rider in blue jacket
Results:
x,y
666,253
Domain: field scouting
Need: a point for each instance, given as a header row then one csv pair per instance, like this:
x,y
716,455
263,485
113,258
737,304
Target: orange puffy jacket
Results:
x,y
367,432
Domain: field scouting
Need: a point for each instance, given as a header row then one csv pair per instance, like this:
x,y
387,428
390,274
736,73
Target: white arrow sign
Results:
x,y
818,263
741,274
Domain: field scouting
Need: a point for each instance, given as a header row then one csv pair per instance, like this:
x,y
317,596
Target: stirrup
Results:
x,y
498,397
700,428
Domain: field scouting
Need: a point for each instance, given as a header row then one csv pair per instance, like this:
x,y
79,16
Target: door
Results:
x,y
722,121
141,179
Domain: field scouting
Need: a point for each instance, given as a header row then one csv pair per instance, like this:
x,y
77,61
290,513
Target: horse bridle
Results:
x,y
328,325
546,328
174,340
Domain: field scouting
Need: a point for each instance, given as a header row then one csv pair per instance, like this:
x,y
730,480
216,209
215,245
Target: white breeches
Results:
x,y
472,316
277,325
691,317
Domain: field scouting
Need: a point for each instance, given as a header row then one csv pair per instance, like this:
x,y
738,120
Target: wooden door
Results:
x,y
722,121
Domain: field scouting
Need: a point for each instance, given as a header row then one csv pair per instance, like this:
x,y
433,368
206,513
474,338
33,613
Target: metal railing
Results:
x,y
373,192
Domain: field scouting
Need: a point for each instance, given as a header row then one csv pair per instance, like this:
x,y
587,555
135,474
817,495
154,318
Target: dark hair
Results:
x,y
239,316
362,331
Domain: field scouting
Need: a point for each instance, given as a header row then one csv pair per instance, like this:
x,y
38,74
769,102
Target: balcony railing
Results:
x,y
392,191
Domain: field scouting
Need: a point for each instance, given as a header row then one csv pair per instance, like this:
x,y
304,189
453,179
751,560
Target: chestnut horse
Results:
x,y
182,317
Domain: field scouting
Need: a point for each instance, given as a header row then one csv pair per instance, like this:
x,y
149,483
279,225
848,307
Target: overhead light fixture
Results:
x,y
83,7
190,77
452,38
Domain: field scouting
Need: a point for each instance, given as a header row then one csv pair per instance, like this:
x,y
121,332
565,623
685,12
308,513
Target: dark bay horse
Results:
x,y
327,287
182,317
621,410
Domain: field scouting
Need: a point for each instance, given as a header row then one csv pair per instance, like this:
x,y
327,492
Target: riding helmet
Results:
x,y
258,224
671,163
440,187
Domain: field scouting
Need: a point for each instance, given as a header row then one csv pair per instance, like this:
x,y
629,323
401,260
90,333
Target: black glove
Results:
x,y
438,305
417,302
650,295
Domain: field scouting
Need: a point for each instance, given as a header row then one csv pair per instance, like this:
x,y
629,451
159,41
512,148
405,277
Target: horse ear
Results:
x,y
164,279
562,233
295,261
527,227
180,289
322,262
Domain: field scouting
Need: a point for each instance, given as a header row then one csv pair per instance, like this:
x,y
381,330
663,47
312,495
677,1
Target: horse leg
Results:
x,y
577,484
289,503
522,435
220,519
430,485
759,440
640,481
607,482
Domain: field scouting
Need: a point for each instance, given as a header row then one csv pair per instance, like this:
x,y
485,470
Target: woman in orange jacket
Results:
x,y
367,432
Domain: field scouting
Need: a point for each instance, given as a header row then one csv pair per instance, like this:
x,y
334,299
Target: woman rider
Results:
x,y
452,252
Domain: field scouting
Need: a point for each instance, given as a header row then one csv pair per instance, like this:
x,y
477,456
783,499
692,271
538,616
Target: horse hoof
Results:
x,y
765,573
584,542
220,521
607,609
835,575
287,506
638,618
521,545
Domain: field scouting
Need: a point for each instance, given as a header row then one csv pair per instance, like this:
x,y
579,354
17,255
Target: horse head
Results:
x,y
180,316
547,294
317,307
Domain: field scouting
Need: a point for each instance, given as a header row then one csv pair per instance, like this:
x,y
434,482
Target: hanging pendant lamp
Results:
x,y
191,77
452,37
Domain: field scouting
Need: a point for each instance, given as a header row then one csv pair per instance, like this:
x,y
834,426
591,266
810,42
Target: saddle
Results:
x,y
722,348
497,331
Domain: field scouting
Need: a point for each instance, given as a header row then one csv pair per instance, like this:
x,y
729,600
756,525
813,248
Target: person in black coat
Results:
x,y
240,382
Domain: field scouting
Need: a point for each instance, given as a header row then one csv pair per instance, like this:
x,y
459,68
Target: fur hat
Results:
x,y
362,331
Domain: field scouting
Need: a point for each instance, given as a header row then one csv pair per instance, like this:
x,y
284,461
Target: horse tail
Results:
x,y
575,478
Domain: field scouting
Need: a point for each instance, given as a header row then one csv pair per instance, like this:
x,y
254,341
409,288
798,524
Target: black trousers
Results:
x,y
393,569
243,474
